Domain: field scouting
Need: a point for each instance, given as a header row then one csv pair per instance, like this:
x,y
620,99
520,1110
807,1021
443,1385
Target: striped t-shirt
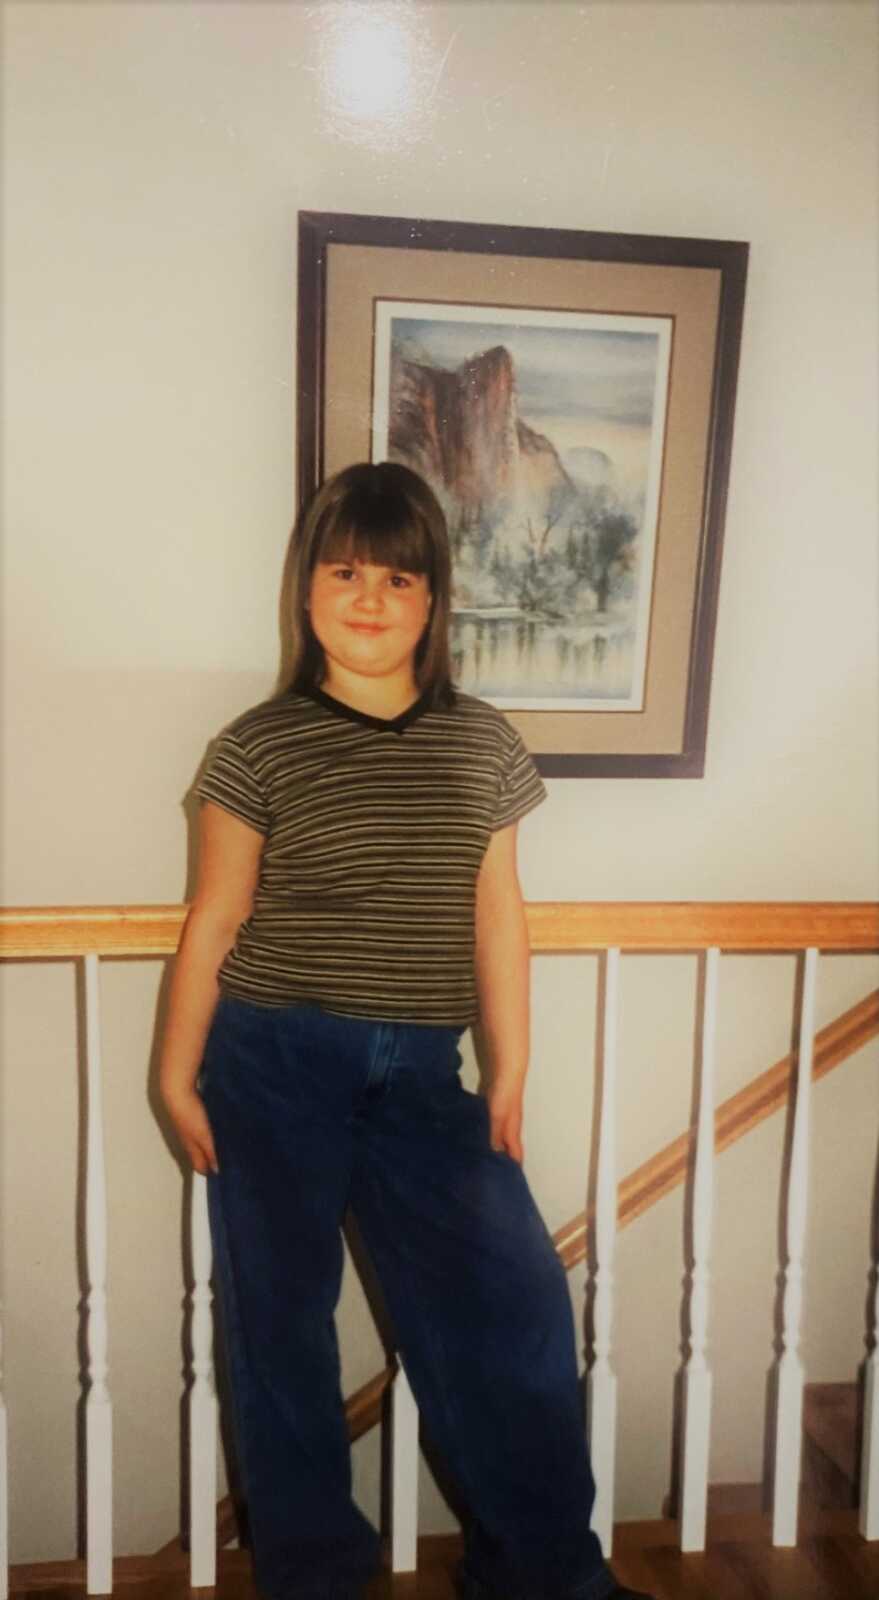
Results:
x,y
374,834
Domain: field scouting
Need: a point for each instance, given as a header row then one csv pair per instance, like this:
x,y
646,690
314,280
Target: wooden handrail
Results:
x,y
38,932
555,926
733,925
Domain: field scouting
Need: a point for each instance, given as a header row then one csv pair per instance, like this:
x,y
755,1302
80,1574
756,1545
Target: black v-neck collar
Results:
x,y
383,724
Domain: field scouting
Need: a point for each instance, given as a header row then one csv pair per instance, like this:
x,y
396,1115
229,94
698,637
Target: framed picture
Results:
x,y
569,397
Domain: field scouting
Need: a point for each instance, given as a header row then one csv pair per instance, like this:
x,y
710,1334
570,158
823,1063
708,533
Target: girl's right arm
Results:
x,y
228,869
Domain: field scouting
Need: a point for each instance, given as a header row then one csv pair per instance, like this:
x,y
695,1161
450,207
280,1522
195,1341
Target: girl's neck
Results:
x,y
385,697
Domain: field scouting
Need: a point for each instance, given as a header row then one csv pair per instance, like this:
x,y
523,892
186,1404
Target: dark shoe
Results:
x,y
469,1588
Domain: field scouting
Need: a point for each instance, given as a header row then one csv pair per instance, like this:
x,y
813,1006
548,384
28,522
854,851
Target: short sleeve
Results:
x,y
229,781
522,787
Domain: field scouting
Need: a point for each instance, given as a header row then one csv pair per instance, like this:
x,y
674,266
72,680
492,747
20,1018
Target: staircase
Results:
x,y
748,1554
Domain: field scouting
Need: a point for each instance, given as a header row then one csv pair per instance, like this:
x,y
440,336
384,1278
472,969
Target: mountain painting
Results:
x,y
541,433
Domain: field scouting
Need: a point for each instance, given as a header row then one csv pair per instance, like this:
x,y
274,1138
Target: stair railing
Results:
x,y
92,933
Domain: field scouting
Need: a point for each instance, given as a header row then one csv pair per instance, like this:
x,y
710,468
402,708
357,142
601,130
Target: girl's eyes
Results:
x,y
397,579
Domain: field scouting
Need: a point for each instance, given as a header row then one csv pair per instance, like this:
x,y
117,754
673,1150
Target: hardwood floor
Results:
x,y
831,1562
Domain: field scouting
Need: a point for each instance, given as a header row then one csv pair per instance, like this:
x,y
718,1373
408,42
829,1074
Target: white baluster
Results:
x,y
697,1375
789,1407
98,1407
4,1494
404,1475
868,1519
602,1383
202,1403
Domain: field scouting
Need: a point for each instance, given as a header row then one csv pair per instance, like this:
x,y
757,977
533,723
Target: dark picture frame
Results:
x,y
350,265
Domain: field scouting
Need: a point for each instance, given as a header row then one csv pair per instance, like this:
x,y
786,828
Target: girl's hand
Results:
x,y
505,1112
190,1120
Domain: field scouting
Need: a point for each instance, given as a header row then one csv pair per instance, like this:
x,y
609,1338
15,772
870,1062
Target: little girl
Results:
x,y
357,908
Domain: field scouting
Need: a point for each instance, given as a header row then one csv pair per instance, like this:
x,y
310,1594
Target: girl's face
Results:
x,y
368,619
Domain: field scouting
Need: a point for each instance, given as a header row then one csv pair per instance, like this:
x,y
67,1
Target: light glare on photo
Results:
x,y
376,70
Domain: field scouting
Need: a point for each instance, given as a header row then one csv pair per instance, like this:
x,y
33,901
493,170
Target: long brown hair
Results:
x,y
385,514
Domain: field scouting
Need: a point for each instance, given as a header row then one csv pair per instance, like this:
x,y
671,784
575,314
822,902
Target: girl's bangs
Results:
x,y
404,546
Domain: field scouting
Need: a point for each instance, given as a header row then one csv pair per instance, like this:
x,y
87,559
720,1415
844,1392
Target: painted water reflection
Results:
x,y
529,658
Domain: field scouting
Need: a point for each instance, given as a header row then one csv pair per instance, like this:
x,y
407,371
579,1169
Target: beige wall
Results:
x,y
155,159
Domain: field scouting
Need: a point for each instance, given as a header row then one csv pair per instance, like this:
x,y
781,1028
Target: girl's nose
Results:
x,y
370,596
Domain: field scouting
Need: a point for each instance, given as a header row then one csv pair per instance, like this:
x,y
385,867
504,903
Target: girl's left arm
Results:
x,y
502,982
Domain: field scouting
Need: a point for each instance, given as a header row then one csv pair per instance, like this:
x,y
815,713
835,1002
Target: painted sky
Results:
x,y
576,373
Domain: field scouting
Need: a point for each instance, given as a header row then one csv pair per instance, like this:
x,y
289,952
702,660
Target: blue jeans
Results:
x,y
311,1113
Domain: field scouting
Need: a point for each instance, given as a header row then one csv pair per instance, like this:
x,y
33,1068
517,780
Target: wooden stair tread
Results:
x,y
830,1420
735,1499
